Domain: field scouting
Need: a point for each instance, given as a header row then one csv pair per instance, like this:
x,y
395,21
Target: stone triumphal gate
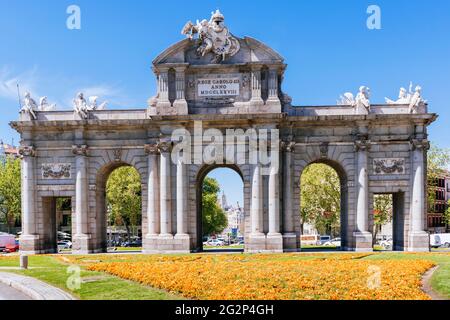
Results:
x,y
222,82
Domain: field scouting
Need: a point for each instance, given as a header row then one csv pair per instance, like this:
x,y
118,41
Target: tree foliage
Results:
x,y
382,212
123,196
10,191
214,219
321,198
437,165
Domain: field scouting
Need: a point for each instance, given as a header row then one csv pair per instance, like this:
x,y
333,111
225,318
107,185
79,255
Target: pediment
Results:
x,y
251,51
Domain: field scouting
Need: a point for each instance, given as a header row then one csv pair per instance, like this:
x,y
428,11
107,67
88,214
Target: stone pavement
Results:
x,y
31,288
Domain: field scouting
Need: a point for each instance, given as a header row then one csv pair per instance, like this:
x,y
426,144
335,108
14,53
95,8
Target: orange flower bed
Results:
x,y
268,277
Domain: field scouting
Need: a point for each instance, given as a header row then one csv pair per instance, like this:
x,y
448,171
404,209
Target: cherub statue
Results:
x,y
45,106
29,106
416,100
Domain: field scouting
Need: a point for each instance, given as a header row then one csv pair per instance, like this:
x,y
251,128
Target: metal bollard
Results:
x,y
23,262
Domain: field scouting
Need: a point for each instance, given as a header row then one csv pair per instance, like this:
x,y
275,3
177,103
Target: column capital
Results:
x,y
165,146
288,146
27,151
419,144
80,150
151,149
362,144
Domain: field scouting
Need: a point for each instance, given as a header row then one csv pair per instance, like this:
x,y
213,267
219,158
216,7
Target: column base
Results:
x,y
181,106
273,105
29,244
363,242
150,244
419,242
80,244
256,243
274,243
182,243
290,243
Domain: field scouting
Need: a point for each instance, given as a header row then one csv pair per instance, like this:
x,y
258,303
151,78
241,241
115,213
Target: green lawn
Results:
x,y
101,286
440,281
94,286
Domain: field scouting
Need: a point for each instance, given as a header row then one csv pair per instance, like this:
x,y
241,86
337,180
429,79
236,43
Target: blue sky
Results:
x,y
326,44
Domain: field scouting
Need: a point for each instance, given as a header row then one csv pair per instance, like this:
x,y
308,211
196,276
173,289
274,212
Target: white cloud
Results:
x,y
27,81
59,89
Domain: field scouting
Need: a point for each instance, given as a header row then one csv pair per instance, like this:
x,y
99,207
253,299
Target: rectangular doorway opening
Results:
x,y
388,225
58,224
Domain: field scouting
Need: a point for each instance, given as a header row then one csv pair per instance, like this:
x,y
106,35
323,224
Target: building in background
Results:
x,y
436,214
8,150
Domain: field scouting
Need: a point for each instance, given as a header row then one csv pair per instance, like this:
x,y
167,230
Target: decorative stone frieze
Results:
x,y
56,171
389,166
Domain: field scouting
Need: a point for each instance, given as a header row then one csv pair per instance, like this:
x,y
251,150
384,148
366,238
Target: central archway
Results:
x,y
235,236
131,236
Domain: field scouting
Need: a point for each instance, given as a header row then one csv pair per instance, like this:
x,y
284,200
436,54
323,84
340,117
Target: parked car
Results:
x,y
324,239
64,245
7,241
440,240
215,243
336,242
386,244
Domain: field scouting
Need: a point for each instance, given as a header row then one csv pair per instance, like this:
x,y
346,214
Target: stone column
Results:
x,y
257,239
29,237
273,86
289,235
152,191
257,202
81,235
165,190
274,241
418,237
256,85
274,202
363,238
163,88
180,103
181,238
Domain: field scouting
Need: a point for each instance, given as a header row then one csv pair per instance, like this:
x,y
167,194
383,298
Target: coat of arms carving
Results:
x,y
213,36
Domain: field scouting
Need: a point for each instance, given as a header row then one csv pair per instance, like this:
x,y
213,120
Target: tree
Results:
x,y
382,212
437,165
123,196
214,219
10,192
321,198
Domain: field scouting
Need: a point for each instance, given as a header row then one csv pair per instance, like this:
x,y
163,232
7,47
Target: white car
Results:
x,y
386,244
440,240
215,243
336,242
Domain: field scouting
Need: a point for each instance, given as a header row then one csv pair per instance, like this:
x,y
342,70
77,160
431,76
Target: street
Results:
x,y
9,293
